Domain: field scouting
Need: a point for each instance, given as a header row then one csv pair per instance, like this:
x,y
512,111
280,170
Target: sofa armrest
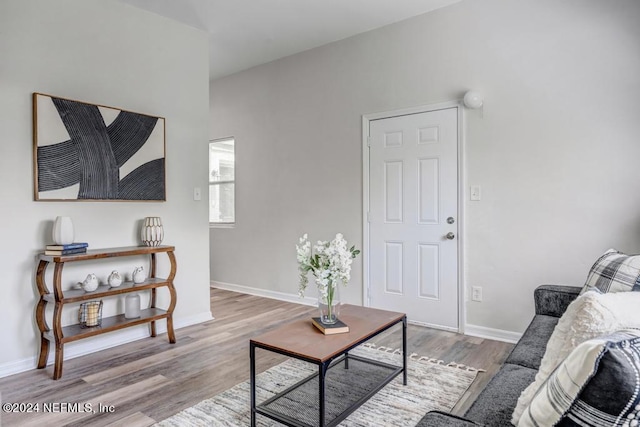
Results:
x,y
438,419
553,300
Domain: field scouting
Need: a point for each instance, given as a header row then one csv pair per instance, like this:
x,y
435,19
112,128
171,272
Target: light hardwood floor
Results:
x,y
150,380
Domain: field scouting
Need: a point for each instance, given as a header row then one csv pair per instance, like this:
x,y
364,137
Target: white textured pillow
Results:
x,y
590,315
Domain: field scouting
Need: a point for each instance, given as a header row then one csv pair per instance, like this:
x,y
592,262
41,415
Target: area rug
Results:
x,y
432,385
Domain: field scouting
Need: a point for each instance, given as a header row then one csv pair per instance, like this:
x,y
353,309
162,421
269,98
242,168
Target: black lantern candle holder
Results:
x,y
90,314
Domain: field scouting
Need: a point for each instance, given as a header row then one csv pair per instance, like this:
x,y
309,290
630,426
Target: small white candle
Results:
x,y
92,314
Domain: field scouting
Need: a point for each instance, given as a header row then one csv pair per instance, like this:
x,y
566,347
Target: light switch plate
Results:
x,y
475,193
476,293
197,194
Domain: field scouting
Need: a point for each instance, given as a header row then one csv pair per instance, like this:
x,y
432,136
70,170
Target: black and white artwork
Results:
x,y
92,152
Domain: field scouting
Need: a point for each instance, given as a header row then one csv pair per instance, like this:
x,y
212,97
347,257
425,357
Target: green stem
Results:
x,y
330,291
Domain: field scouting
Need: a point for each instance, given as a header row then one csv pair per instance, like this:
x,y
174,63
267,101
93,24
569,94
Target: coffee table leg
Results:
x,y
252,379
404,350
321,390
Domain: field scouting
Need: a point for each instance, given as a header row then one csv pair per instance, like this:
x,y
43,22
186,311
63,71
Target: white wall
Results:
x,y
108,53
555,150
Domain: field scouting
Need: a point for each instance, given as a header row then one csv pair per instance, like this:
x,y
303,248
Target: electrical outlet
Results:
x,y
476,293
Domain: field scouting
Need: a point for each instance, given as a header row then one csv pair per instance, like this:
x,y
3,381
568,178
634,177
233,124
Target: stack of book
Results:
x,y
70,249
337,328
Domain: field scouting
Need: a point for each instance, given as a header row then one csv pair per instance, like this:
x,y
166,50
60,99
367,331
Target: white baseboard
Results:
x,y
492,334
282,296
432,326
92,345
473,330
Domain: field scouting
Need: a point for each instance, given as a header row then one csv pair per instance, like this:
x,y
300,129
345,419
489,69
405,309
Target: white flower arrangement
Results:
x,y
330,265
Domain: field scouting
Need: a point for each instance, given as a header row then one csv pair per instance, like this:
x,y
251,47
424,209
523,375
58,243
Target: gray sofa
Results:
x,y
496,402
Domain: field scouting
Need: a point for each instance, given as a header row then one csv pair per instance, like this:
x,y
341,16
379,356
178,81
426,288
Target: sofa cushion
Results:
x,y
495,404
614,272
533,343
591,315
597,384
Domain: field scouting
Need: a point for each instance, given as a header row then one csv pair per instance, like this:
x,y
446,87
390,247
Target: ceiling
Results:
x,y
246,33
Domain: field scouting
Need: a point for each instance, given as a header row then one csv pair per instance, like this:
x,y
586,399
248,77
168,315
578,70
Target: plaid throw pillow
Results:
x,y
614,272
596,385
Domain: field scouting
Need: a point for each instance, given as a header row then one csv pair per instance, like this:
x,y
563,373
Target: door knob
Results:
x,y
450,236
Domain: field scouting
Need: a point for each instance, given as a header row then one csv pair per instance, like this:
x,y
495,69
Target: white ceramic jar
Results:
x,y
132,306
62,230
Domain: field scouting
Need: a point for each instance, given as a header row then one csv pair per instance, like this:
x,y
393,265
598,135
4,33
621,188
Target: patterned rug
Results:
x,y
432,385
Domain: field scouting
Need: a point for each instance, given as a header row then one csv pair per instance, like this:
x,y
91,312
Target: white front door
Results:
x,y
413,216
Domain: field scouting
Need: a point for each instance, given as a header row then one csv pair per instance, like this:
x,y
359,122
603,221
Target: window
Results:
x,y
222,181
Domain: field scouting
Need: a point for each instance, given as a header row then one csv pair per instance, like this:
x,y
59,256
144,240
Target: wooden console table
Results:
x,y
60,297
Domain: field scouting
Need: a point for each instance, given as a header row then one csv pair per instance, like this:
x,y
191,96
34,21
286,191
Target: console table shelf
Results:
x,y
113,323
79,295
107,253
60,335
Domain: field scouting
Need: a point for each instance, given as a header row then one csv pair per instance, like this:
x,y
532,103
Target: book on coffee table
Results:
x,y
337,328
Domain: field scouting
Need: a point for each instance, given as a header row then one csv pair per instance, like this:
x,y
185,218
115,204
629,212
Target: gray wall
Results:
x,y
108,53
555,149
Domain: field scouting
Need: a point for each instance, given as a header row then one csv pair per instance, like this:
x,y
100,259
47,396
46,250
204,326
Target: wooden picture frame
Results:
x,y
90,152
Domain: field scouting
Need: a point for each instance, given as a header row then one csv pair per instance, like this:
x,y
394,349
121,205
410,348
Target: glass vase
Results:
x,y
329,305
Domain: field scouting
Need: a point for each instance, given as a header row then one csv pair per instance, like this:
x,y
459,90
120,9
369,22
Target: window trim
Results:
x,y
225,224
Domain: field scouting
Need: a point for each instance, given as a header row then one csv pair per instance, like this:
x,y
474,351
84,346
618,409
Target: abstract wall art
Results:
x,y
87,152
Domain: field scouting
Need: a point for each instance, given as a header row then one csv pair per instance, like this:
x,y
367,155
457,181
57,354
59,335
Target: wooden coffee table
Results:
x,y
301,340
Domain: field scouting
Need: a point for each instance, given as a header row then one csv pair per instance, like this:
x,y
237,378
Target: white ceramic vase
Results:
x,y
62,230
152,232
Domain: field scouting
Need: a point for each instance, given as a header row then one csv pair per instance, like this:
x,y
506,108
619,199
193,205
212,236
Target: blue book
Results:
x,y
66,247
66,251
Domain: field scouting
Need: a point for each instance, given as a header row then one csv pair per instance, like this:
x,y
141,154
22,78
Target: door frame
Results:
x,y
366,119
